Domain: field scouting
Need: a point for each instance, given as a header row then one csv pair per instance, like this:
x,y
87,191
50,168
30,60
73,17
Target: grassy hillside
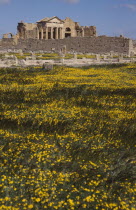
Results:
x,y
68,138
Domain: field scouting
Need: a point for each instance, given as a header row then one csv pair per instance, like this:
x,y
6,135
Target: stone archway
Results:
x,y
7,36
67,32
40,35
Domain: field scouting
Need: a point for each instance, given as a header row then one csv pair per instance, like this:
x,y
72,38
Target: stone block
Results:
x,y
120,59
47,67
20,52
75,56
21,63
104,57
98,57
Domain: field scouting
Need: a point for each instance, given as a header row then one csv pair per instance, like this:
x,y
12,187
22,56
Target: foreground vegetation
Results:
x,y
68,138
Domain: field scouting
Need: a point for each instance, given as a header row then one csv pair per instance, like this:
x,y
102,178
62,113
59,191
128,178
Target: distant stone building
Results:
x,y
52,34
54,28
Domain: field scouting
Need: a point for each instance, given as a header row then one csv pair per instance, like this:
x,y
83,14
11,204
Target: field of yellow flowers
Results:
x,y
68,138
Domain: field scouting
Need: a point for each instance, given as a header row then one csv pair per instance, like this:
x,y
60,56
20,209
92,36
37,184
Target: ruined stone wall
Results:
x,y
31,33
90,31
68,23
101,44
131,48
26,30
30,30
68,28
81,44
8,43
134,46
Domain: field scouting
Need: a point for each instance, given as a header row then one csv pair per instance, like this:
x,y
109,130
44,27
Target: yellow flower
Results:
x,y
7,198
84,206
37,199
24,200
71,202
50,204
89,199
30,206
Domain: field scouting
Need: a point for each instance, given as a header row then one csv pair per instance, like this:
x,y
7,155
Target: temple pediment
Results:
x,y
54,19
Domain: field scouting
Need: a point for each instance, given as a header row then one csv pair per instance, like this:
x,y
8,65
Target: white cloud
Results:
x,y
130,6
4,1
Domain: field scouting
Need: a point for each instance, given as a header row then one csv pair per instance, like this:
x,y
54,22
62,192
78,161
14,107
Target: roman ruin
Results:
x,y
53,28
52,34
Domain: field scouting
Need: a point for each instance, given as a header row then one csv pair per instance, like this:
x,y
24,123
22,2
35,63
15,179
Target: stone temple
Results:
x,y
53,28
52,34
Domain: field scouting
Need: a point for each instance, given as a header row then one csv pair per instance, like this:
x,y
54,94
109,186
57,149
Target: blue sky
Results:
x,y
111,17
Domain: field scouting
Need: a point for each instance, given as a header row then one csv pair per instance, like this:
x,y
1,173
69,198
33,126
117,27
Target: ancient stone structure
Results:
x,y
134,47
8,35
54,28
96,45
54,34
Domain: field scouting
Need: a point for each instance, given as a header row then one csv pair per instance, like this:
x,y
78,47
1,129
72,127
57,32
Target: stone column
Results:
x,y
64,50
120,59
41,33
37,33
104,57
16,61
61,33
46,32
75,56
83,33
56,33
51,33
98,57
111,54
21,52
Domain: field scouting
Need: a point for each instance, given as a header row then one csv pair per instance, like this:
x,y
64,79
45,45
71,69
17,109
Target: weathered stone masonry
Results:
x,y
97,45
53,28
53,33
